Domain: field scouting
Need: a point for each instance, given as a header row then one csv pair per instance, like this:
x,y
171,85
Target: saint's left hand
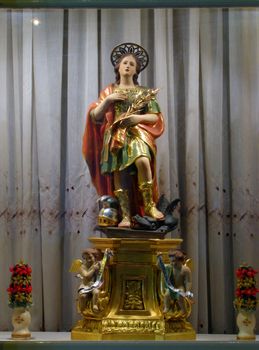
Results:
x,y
132,120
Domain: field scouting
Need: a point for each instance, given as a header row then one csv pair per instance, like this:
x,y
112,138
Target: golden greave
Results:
x,y
123,198
146,189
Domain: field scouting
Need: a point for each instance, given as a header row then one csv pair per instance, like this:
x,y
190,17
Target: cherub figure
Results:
x,y
178,280
90,271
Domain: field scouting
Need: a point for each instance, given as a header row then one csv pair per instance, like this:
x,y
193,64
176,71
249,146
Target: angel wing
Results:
x,y
76,264
189,263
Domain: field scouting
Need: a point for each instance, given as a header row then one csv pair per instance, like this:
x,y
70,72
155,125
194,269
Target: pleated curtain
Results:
x,y
205,63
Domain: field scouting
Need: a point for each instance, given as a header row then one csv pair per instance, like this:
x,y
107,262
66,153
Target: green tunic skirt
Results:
x,y
134,147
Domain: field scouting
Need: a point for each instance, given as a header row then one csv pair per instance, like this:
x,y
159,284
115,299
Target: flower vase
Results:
x,y
21,320
246,324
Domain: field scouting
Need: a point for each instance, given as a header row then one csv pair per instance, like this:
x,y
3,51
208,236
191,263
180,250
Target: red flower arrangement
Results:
x,y
20,289
246,288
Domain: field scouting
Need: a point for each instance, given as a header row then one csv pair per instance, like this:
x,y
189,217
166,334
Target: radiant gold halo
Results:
x,y
134,49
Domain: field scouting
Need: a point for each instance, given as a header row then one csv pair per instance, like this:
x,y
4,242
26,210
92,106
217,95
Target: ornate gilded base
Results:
x,y
132,290
132,330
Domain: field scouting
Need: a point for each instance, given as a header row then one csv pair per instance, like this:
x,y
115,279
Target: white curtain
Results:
x,y
205,62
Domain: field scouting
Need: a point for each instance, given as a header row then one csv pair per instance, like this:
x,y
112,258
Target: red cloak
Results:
x,y
93,143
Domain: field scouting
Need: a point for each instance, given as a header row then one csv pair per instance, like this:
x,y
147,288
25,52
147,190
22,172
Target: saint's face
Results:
x,y
128,66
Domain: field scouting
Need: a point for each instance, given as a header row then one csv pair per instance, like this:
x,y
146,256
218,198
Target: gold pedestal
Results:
x,y
131,298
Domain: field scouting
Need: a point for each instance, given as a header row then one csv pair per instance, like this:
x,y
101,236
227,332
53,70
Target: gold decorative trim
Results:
x,y
21,336
133,326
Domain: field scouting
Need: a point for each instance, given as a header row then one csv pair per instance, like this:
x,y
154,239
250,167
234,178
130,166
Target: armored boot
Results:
x,y
123,198
146,188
